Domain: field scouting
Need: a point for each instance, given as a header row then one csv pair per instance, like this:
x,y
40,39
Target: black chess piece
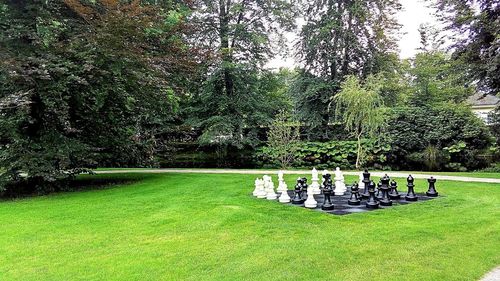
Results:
x,y
304,188
366,182
384,190
394,194
410,196
354,200
432,188
378,195
297,193
372,202
327,188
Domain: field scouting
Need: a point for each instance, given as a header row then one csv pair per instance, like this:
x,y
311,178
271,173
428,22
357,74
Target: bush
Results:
x,y
437,138
329,155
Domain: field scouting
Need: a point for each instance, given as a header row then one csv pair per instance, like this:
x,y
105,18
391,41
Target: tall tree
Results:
x,y
240,34
361,108
344,37
86,83
475,25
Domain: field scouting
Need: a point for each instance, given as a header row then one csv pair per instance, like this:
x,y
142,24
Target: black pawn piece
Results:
x,y
354,200
366,182
297,193
384,190
432,188
372,202
304,188
394,194
379,194
410,196
327,188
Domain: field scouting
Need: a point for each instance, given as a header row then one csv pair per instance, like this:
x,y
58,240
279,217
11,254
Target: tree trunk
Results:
x,y
358,155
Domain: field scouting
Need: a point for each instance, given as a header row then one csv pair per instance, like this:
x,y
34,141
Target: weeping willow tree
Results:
x,y
361,109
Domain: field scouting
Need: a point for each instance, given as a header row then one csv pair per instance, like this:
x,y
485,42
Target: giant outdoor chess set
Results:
x,y
334,197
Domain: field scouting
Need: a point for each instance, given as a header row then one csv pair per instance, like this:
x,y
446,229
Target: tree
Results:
x,y
282,138
86,84
436,78
340,38
361,109
475,25
239,34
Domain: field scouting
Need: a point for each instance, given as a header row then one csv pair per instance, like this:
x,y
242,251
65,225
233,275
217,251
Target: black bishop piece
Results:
x,y
410,196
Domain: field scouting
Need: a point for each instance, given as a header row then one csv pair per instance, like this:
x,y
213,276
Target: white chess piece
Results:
x,y
310,201
282,187
256,190
271,195
361,184
262,189
284,197
340,187
315,182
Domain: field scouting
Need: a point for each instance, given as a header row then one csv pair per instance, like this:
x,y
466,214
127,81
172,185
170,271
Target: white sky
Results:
x,y
414,13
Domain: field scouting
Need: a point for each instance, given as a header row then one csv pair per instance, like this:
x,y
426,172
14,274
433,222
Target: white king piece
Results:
x,y
340,187
314,182
282,187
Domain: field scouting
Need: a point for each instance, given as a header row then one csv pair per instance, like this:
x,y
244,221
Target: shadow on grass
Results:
x,y
26,189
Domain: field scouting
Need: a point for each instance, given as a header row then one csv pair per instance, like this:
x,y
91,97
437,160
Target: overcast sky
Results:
x,y
414,13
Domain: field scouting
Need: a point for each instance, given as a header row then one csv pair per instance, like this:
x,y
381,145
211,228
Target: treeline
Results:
x,y
88,83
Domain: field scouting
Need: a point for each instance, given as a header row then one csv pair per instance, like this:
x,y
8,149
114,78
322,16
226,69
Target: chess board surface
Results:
x,y
342,208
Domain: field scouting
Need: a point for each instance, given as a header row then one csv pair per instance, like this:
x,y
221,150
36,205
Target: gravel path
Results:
x,y
294,172
493,275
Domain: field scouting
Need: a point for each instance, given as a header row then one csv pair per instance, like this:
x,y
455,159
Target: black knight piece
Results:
x,y
372,202
354,200
384,189
410,196
366,182
327,188
297,193
394,194
432,188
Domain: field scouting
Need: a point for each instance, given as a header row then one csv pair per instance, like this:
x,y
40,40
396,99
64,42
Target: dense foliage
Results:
x,y
475,25
441,137
328,155
86,85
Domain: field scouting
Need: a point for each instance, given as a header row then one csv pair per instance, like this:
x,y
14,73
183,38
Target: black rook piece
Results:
x,y
327,188
394,194
354,200
372,203
366,182
432,188
384,189
297,193
410,196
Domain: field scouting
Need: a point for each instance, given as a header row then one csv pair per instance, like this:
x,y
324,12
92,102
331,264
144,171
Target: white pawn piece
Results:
x,y
271,195
284,197
256,190
340,187
361,184
282,187
310,201
262,189
314,182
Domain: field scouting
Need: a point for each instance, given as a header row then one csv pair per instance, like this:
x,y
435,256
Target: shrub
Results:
x,y
437,138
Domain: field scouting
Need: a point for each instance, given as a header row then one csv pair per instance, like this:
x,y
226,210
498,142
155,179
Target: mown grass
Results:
x,y
208,227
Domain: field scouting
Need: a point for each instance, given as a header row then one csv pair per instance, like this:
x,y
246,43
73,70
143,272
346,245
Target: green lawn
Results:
x,y
208,227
